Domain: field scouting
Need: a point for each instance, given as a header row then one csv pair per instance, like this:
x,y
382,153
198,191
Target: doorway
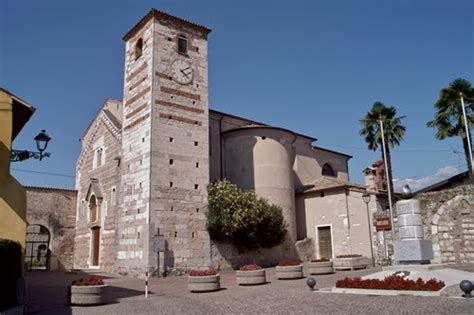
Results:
x,y
325,241
37,247
95,246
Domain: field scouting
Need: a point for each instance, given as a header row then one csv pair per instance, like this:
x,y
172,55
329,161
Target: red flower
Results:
x,y
289,262
391,283
88,281
200,273
250,267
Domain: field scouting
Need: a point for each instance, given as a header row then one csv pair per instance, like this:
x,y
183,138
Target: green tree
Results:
x,y
449,120
243,219
393,132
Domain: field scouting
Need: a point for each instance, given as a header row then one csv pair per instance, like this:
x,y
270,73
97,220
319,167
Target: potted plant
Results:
x,y
320,266
351,262
251,274
204,280
87,291
289,269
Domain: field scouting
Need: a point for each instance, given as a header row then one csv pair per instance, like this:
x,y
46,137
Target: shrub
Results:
x,y
88,281
250,267
320,260
10,271
391,283
243,219
348,256
201,273
289,262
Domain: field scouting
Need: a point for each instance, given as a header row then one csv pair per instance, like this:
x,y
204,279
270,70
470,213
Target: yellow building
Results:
x,y
14,114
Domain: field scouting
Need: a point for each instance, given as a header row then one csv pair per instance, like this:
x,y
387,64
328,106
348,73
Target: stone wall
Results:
x,y
99,181
55,209
448,220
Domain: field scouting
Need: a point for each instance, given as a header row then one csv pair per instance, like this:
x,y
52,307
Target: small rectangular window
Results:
x,y
182,45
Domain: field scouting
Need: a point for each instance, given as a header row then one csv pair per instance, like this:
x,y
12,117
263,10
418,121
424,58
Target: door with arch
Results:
x,y
37,247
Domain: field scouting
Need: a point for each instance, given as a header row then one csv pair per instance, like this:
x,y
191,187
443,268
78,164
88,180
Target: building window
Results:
x,y
113,195
328,171
93,209
99,155
138,48
182,45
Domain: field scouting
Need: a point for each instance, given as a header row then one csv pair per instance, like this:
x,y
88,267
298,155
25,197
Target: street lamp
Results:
x,y
42,139
366,199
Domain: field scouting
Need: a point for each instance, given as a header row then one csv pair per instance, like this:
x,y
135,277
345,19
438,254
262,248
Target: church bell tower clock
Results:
x,y
165,146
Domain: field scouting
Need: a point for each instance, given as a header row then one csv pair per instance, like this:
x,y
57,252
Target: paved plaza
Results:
x,y
47,294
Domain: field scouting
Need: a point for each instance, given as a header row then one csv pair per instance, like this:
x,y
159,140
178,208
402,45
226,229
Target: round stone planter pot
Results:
x,y
251,277
320,267
88,294
289,272
350,263
204,283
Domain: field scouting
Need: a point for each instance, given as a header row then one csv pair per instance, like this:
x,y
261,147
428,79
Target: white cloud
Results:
x,y
419,183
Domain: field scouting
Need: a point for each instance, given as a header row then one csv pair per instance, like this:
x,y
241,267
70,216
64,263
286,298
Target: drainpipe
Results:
x,y
221,140
348,220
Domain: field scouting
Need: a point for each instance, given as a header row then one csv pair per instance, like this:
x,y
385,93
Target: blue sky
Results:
x,y
311,66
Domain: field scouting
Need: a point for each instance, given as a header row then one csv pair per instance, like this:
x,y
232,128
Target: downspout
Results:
x,y
221,140
346,192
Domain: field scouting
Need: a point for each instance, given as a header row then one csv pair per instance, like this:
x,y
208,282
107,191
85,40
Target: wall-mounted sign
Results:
x,y
159,243
382,224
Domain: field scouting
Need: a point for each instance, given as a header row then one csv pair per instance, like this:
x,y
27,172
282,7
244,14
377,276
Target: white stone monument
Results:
x,y
411,248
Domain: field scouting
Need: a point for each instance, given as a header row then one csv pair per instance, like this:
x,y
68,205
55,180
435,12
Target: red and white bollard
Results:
x,y
146,284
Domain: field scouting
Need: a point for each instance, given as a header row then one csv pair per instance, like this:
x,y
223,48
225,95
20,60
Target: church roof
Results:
x,y
326,183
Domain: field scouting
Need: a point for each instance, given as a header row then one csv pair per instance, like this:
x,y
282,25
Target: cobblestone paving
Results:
x,y
47,292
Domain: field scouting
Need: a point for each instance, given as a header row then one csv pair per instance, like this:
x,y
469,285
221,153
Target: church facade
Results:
x,y
146,161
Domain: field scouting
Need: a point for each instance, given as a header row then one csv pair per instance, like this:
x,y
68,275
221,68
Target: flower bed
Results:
x,y
87,291
202,273
289,262
391,283
204,280
289,269
251,274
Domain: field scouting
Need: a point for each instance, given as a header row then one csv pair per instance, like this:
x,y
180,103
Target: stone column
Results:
x,y
411,248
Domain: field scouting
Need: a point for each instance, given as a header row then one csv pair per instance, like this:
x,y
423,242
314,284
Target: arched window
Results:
x,y
182,45
93,209
328,171
138,48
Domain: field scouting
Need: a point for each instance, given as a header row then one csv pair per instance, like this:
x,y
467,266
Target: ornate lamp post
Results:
x,y
366,198
42,140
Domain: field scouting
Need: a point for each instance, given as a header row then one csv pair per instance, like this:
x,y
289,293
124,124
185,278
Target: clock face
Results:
x,y
182,72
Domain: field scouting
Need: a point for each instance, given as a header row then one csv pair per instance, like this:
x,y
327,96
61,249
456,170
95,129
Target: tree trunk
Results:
x,y
389,180
466,152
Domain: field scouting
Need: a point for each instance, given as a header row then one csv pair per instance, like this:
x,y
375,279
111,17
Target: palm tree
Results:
x,y
449,118
393,132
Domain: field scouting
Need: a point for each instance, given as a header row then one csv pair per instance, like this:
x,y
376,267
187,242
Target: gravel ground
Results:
x,y
47,295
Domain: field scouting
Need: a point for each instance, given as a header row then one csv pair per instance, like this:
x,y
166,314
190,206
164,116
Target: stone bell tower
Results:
x,y
165,146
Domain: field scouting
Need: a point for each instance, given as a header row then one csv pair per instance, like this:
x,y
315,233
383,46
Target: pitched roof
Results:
x,y
22,112
326,183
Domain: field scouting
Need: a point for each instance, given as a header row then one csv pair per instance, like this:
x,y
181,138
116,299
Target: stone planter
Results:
x,y
320,267
289,272
350,263
251,277
204,283
88,294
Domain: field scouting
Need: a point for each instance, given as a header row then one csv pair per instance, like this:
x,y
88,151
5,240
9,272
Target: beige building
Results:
x,y
146,161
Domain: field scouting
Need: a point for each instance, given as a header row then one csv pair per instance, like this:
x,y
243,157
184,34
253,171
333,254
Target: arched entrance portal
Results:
x,y
37,247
